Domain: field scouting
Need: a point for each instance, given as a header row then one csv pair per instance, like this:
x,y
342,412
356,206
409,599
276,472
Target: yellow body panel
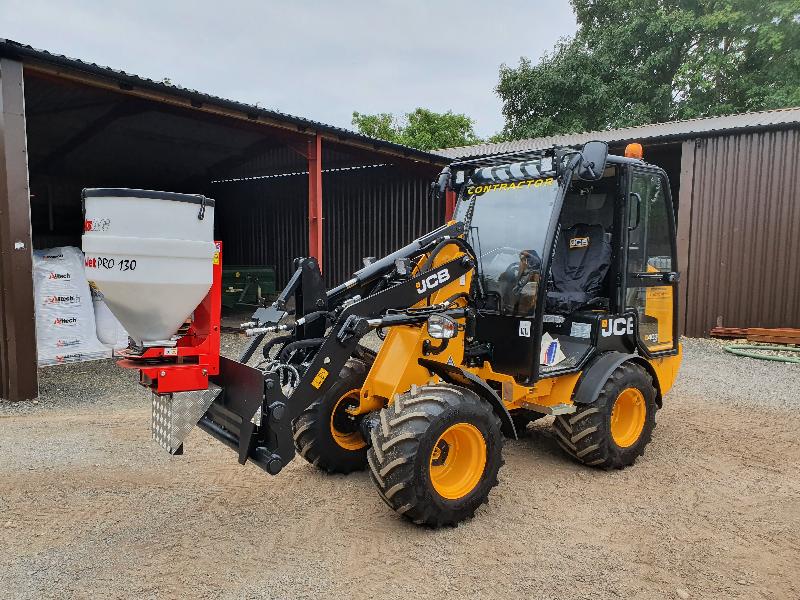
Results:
x,y
667,369
545,392
659,306
396,368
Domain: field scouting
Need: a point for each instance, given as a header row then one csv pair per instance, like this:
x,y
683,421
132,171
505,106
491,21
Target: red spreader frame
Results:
x,y
187,366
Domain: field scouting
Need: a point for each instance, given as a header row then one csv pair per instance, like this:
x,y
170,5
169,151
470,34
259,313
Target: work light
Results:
x,y
441,327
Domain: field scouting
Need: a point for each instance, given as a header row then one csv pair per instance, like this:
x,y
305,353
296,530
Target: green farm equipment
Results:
x,y
246,285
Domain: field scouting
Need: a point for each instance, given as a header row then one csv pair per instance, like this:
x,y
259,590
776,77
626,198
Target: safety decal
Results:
x,y
320,377
580,330
524,329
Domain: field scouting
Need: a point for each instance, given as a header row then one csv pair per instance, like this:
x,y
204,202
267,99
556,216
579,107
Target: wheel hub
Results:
x,y
628,417
458,460
439,454
344,425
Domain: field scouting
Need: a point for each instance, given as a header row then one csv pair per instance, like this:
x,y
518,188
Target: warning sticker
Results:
x,y
524,329
320,377
580,330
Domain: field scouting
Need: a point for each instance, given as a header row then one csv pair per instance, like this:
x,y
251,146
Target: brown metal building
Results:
x,y
284,186
287,186
736,184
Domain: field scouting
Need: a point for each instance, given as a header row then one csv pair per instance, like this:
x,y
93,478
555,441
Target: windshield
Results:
x,y
508,230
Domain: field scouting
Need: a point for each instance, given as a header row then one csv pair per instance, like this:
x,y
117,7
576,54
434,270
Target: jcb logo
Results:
x,y
433,281
620,326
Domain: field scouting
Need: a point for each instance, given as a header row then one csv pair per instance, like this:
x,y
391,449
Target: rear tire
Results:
x,y
435,454
325,435
612,431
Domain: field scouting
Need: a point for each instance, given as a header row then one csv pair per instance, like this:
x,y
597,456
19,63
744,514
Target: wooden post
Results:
x,y
684,233
18,363
315,198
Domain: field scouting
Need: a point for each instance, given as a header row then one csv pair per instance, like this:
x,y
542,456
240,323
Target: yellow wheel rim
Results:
x,y
628,417
458,460
344,429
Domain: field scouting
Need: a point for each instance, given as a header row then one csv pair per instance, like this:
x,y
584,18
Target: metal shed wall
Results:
x,y
367,212
373,214
744,231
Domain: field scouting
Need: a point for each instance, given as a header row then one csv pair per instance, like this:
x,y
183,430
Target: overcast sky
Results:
x,y
320,60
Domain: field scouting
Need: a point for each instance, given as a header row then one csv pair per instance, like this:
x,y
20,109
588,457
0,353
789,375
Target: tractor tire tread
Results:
x,y
586,434
396,459
311,429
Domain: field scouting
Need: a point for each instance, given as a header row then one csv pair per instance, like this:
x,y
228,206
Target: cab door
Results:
x,y
651,270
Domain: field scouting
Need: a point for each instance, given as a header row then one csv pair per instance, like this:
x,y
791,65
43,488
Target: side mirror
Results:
x,y
593,161
443,181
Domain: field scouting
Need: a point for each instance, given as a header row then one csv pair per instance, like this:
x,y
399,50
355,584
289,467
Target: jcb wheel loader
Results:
x,y
551,292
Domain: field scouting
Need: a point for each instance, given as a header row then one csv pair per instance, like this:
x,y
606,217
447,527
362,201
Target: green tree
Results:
x,y
422,128
643,61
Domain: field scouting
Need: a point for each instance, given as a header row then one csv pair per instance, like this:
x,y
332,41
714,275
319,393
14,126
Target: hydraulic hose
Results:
x,y
748,351
292,346
456,241
281,339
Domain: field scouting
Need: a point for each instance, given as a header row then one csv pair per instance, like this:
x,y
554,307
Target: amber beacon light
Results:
x,y
634,151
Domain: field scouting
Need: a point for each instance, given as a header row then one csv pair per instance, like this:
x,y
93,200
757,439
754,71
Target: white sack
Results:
x,y
65,325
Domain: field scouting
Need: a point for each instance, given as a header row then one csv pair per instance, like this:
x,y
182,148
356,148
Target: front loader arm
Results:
x,y
252,414
353,325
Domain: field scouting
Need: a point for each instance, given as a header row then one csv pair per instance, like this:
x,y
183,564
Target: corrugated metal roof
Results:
x,y
673,130
16,50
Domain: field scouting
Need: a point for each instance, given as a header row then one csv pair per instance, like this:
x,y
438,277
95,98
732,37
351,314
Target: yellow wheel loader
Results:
x,y
553,291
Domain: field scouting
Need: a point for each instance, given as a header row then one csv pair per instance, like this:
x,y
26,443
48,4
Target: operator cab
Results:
x,y
571,261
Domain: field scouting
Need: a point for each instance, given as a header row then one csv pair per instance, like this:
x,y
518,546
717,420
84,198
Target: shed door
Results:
x,y
651,269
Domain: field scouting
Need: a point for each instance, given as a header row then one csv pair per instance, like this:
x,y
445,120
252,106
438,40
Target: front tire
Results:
x,y
435,454
612,431
325,434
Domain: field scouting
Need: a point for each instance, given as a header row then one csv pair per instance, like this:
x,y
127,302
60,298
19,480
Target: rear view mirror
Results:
x,y
593,161
444,180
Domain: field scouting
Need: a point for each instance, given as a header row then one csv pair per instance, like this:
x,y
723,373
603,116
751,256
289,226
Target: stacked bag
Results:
x,y
65,319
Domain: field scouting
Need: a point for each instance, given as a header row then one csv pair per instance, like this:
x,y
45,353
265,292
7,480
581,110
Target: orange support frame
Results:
x,y
449,204
315,198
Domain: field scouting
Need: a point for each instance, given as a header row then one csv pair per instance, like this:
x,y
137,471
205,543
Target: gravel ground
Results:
x,y
91,507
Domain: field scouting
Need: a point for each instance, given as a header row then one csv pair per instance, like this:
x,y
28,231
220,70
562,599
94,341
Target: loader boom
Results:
x,y
256,419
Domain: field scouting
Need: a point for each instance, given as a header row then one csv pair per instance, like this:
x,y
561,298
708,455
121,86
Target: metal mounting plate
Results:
x,y
175,415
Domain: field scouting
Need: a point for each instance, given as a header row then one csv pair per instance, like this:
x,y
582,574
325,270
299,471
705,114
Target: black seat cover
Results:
x,y
580,264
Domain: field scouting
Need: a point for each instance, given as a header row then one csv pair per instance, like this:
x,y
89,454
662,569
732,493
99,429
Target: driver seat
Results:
x,y
580,265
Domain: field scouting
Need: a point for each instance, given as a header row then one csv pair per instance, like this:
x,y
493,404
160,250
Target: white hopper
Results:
x,y
150,254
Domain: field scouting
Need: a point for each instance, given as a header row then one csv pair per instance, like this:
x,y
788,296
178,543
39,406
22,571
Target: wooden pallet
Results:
x,y
773,336
728,332
759,334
